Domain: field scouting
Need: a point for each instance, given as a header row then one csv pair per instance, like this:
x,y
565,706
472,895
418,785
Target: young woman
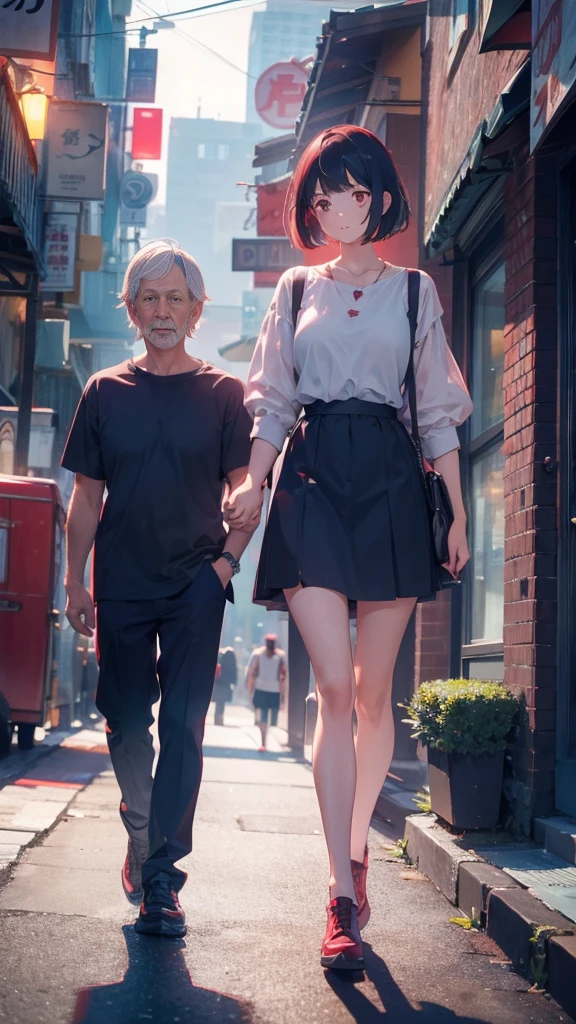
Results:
x,y
348,519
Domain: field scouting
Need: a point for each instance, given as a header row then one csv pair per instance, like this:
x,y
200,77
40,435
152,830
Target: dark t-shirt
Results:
x,y
164,446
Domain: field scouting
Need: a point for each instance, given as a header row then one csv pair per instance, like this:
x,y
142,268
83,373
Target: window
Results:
x,y
459,26
223,151
485,460
201,150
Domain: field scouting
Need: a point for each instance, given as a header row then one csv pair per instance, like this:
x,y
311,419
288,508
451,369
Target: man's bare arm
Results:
x,y
81,525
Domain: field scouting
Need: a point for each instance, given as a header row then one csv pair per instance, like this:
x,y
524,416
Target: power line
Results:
x,y
191,10
161,17
203,46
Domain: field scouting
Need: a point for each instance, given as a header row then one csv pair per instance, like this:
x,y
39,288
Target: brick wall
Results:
x,y
432,654
530,409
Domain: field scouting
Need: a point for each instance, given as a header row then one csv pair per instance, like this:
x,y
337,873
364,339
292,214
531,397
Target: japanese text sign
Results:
x,y
76,150
29,28
553,62
60,251
279,93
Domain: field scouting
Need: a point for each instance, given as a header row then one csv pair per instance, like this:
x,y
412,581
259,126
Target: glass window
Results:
x,y
201,150
487,545
488,354
223,151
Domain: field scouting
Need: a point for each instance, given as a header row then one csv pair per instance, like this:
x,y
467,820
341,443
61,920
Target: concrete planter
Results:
x,y
465,790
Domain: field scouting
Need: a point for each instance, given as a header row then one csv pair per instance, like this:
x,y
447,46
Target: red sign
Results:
x,y
147,134
279,93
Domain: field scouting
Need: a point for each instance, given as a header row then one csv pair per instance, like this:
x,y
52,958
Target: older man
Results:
x,y
163,433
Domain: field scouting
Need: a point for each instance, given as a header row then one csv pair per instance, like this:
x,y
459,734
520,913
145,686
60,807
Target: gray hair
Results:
x,y
154,261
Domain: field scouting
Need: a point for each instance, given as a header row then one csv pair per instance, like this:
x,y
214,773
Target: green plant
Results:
x,y
467,716
422,800
399,849
468,923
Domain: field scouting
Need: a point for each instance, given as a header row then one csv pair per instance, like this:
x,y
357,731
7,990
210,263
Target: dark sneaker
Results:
x,y
160,912
132,873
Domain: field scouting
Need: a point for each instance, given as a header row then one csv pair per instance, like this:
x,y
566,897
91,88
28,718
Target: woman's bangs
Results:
x,y
336,164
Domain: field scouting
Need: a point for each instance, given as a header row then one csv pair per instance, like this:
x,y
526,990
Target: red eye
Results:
x,y
360,197
323,205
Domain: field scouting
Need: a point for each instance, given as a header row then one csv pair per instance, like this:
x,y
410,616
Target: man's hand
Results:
x,y
80,609
243,507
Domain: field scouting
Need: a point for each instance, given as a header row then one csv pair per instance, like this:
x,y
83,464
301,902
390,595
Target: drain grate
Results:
x,y
549,877
280,824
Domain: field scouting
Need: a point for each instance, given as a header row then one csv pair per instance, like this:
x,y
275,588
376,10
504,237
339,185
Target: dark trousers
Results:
x,y
158,812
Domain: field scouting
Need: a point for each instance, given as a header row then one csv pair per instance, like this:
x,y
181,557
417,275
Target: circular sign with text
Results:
x,y
279,93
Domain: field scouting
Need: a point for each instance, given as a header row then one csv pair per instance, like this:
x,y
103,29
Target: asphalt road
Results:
x,y
255,908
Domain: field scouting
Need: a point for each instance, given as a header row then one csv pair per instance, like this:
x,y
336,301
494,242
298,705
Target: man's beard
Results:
x,y
164,342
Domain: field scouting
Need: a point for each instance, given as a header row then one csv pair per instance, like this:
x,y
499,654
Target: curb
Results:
x,y
539,942
33,804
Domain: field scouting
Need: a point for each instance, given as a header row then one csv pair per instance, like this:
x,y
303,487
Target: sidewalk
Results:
x,y
255,909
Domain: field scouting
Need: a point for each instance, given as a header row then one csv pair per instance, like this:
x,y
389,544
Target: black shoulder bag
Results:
x,y
437,497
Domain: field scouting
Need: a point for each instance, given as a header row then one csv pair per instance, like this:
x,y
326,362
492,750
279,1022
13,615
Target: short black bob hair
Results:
x,y
328,160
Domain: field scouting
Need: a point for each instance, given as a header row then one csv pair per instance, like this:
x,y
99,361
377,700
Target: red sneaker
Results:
x,y
359,873
342,945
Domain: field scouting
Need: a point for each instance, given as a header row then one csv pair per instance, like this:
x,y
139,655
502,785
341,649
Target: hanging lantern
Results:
x,y
34,107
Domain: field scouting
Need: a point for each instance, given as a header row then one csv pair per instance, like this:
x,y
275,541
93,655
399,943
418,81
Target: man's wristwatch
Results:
x,y
233,562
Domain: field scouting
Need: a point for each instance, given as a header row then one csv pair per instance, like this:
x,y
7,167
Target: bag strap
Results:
x,y
298,282
413,301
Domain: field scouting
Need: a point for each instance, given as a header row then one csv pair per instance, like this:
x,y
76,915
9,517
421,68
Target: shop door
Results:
x,y
566,684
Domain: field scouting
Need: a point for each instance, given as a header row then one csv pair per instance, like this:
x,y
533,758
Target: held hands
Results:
x,y
80,608
457,547
243,507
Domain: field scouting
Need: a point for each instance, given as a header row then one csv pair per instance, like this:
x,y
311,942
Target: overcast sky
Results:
x,y
187,74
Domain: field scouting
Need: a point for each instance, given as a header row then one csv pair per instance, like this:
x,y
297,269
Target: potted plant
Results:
x,y
464,724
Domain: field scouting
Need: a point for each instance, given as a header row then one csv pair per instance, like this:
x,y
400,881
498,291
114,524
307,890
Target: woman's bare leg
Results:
x,y
381,626
322,619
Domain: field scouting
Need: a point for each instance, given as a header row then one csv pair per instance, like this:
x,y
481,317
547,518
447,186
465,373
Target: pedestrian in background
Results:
x,y
164,434
224,683
266,681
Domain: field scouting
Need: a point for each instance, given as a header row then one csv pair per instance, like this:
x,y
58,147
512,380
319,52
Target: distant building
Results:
x,y
287,28
205,207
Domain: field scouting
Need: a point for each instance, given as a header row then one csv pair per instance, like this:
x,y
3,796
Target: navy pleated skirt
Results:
x,y
348,510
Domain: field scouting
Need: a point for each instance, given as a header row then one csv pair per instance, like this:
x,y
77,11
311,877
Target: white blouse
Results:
x,y
336,356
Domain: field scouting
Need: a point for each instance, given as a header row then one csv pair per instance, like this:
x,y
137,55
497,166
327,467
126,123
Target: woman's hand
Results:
x,y
457,547
244,505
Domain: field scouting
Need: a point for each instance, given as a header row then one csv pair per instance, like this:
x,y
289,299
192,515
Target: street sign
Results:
x,y
76,139
141,77
29,28
136,191
258,254
147,133
279,93
60,251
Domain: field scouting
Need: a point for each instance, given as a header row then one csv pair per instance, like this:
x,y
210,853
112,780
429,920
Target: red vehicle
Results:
x,y
31,520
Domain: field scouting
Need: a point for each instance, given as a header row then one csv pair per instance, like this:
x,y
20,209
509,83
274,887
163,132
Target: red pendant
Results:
x,y
353,312
357,295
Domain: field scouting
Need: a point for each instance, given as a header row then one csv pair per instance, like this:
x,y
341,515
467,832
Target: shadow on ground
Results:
x,y
397,1009
157,987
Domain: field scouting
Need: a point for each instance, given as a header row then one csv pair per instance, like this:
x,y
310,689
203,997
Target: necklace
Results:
x,y
357,293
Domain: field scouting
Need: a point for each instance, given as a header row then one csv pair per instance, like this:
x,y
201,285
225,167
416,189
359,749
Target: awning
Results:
x,y
240,351
273,151
346,61
481,165
508,25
